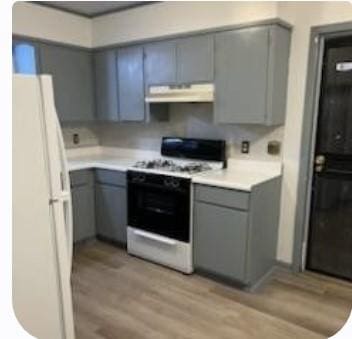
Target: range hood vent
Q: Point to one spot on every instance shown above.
(182, 93)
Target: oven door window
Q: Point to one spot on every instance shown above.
(158, 210)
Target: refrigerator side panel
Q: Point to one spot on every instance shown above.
(36, 285)
(60, 197)
(59, 178)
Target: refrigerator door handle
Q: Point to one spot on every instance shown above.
(66, 193)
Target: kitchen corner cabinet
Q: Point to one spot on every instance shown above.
(83, 204)
(111, 206)
(251, 67)
(235, 232)
(106, 86)
(72, 72)
(131, 83)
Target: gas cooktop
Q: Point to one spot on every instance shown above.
(172, 166)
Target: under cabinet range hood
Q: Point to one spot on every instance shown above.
(180, 93)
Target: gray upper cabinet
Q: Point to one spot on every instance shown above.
(195, 59)
(106, 90)
(72, 71)
(251, 67)
(160, 63)
(131, 83)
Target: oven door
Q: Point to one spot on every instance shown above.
(161, 210)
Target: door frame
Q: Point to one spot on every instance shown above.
(318, 36)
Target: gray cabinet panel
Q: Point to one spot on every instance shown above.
(222, 196)
(195, 59)
(220, 238)
(81, 177)
(116, 178)
(111, 212)
(83, 210)
(72, 71)
(131, 83)
(280, 39)
(160, 63)
(106, 92)
(241, 68)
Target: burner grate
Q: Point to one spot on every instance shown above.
(171, 166)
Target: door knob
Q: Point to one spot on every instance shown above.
(319, 163)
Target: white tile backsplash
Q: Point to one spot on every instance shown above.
(194, 121)
(186, 120)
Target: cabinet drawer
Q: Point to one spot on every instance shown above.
(222, 196)
(110, 177)
(81, 178)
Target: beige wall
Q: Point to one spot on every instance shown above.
(176, 17)
(42, 22)
(169, 18)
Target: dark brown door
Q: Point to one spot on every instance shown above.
(330, 233)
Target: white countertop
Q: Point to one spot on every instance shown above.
(233, 178)
(240, 174)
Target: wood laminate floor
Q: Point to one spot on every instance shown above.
(119, 296)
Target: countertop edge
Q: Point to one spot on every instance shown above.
(195, 180)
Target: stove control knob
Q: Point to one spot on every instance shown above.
(167, 182)
(141, 178)
(175, 183)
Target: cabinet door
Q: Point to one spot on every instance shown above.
(131, 83)
(72, 73)
(241, 69)
(83, 207)
(220, 238)
(106, 94)
(195, 59)
(160, 63)
(111, 212)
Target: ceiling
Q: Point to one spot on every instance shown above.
(93, 8)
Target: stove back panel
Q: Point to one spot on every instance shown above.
(200, 149)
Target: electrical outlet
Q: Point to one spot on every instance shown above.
(75, 138)
(274, 147)
(245, 145)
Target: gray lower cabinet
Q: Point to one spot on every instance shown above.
(111, 205)
(72, 72)
(131, 83)
(220, 240)
(195, 59)
(83, 204)
(235, 232)
(251, 67)
(106, 87)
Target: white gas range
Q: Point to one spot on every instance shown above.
(160, 196)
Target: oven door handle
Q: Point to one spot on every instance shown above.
(155, 237)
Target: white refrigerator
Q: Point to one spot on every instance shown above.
(42, 216)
